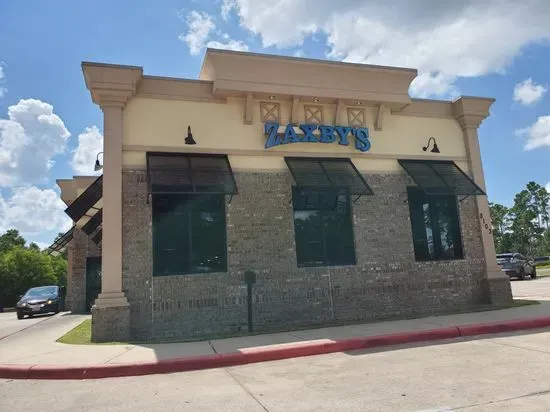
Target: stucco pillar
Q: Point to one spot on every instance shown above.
(111, 261)
(111, 87)
(111, 311)
(470, 112)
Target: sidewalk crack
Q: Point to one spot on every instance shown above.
(126, 350)
(246, 390)
(521, 347)
(212, 347)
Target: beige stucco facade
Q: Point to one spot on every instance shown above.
(227, 108)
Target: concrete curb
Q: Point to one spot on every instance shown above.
(264, 354)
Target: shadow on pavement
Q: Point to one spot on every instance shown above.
(360, 352)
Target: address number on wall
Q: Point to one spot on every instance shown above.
(485, 224)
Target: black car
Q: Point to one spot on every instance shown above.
(43, 299)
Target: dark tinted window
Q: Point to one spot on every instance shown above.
(323, 228)
(189, 234)
(435, 226)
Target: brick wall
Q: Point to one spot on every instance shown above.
(80, 247)
(260, 235)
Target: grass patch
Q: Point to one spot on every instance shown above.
(543, 266)
(82, 334)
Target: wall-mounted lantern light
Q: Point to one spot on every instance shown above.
(98, 166)
(435, 149)
(189, 139)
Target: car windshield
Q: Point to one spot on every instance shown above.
(505, 256)
(41, 291)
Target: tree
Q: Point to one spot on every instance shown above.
(500, 216)
(34, 246)
(524, 227)
(11, 239)
(540, 198)
(21, 269)
(24, 267)
(59, 267)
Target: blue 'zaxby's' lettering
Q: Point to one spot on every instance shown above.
(327, 134)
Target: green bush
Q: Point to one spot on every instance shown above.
(22, 268)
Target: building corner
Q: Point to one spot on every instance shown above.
(470, 113)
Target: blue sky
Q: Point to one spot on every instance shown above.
(50, 129)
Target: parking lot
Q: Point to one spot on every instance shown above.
(538, 289)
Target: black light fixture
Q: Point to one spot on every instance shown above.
(189, 139)
(98, 166)
(435, 149)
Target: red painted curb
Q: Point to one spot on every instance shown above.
(504, 326)
(264, 354)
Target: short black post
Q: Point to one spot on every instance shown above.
(249, 278)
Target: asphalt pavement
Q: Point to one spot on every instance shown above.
(537, 289)
(9, 324)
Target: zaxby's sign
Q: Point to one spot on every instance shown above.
(314, 133)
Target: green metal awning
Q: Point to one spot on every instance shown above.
(190, 173)
(327, 173)
(98, 236)
(93, 223)
(440, 177)
(61, 242)
(86, 206)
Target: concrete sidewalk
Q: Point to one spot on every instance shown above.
(40, 347)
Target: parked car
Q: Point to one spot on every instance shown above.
(43, 299)
(517, 265)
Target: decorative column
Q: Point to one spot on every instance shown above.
(111, 88)
(470, 112)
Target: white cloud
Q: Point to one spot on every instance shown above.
(227, 7)
(228, 45)
(537, 135)
(32, 210)
(527, 92)
(90, 143)
(3, 89)
(444, 40)
(202, 29)
(434, 83)
(42, 245)
(547, 187)
(29, 139)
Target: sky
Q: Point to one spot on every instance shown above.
(50, 129)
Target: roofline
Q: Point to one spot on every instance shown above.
(112, 65)
(210, 50)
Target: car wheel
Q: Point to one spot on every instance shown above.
(534, 274)
(20, 316)
(521, 274)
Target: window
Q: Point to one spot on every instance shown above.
(189, 234)
(435, 226)
(323, 227)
